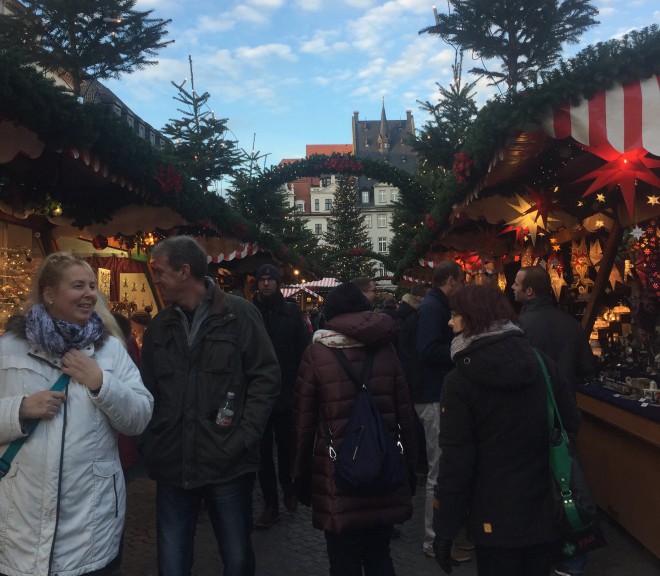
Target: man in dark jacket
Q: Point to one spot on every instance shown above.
(560, 336)
(434, 338)
(290, 337)
(203, 346)
(550, 329)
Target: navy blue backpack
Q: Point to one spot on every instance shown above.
(369, 461)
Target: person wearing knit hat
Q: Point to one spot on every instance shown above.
(344, 299)
(289, 334)
(358, 527)
(268, 270)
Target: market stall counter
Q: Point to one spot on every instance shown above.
(619, 445)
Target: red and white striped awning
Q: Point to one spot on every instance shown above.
(323, 283)
(628, 117)
(246, 250)
(291, 290)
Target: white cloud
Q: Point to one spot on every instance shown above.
(267, 4)
(310, 5)
(258, 54)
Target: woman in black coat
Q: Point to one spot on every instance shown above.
(494, 469)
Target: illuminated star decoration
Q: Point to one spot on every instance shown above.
(636, 232)
(533, 216)
(600, 197)
(653, 200)
(621, 169)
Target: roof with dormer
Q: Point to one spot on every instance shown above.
(386, 140)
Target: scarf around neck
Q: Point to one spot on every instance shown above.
(461, 342)
(334, 339)
(59, 336)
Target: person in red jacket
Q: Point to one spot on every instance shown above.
(357, 528)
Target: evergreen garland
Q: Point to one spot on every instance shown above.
(635, 56)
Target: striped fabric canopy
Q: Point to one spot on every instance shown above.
(628, 117)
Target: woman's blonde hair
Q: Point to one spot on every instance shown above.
(50, 272)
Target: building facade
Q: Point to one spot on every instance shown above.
(383, 140)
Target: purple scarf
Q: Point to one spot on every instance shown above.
(59, 336)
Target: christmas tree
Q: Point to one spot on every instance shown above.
(84, 40)
(201, 148)
(349, 251)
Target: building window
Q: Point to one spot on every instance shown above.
(382, 220)
(381, 196)
(131, 122)
(381, 269)
(382, 244)
(317, 205)
(141, 130)
(328, 204)
(325, 181)
(318, 229)
(365, 196)
(394, 196)
(367, 220)
(116, 108)
(300, 206)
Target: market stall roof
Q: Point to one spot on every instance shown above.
(625, 116)
(323, 283)
(294, 289)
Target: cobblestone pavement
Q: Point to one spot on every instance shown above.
(293, 548)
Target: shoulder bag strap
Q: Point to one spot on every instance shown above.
(15, 446)
(560, 459)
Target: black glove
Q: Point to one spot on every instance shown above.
(442, 549)
(302, 488)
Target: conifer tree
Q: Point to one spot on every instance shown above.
(84, 40)
(348, 247)
(443, 135)
(526, 36)
(201, 147)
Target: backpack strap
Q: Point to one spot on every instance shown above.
(367, 366)
(359, 382)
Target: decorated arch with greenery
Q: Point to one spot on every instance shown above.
(263, 193)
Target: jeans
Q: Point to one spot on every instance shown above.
(230, 512)
(429, 416)
(369, 547)
(278, 429)
(535, 560)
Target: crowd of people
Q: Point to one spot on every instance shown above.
(230, 392)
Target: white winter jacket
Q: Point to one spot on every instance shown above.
(62, 503)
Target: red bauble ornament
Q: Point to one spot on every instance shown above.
(100, 242)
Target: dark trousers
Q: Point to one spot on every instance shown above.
(349, 551)
(535, 560)
(278, 430)
(230, 512)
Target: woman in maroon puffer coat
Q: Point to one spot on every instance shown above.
(357, 528)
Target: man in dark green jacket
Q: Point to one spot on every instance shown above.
(203, 346)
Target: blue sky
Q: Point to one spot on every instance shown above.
(286, 73)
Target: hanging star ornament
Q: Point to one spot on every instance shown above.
(621, 169)
(534, 216)
(653, 200)
(636, 232)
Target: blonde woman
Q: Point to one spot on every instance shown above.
(62, 499)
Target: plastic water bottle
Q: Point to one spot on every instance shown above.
(226, 414)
